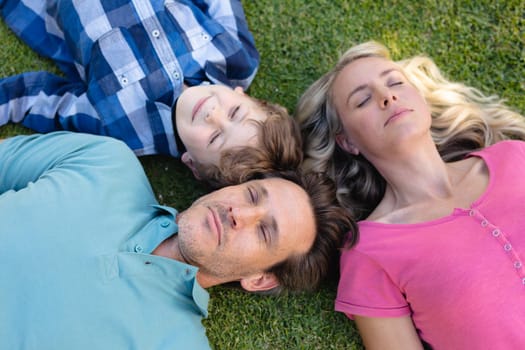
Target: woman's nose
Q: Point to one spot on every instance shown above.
(387, 98)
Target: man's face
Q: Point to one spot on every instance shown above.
(240, 231)
(214, 118)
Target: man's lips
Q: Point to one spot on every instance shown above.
(198, 106)
(398, 113)
(215, 224)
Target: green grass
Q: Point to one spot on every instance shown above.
(481, 43)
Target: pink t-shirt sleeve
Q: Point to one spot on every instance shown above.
(365, 289)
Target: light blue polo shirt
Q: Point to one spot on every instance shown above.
(78, 219)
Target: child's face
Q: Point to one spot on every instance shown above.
(213, 118)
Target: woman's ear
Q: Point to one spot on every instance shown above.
(259, 282)
(343, 142)
(188, 160)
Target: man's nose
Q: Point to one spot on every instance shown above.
(243, 217)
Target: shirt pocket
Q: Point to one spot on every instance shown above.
(197, 29)
(114, 65)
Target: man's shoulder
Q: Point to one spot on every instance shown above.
(94, 154)
(81, 143)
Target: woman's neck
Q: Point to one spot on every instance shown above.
(421, 186)
(415, 173)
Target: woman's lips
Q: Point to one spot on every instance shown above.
(398, 113)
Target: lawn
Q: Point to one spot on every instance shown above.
(481, 43)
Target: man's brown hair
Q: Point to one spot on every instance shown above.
(279, 154)
(335, 228)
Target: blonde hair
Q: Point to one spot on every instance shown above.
(463, 119)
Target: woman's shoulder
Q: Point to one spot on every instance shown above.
(503, 146)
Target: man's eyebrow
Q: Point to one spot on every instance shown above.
(363, 86)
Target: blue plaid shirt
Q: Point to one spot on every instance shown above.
(125, 63)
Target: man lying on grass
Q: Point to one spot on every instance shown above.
(90, 260)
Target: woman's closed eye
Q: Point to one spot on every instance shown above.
(363, 101)
(395, 83)
(395, 78)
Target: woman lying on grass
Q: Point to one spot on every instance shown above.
(422, 162)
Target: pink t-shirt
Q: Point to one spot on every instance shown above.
(460, 277)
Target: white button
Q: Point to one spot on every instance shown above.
(496, 233)
(484, 223)
(123, 80)
(507, 247)
(471, 213)
(138, 248)
(517, 264)
(155, 33)
(176, 75)
(205, 36)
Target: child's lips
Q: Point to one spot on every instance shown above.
(198, 107)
